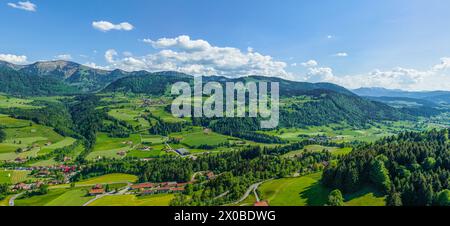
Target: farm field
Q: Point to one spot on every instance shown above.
(107, 147)
(159, 112)
(153, 139)
(73, 197)
(11, 102)
(307, 191)
(132, 200)
(64, 143)
(132, 117)
(13, 177)
(57, 197)
(108, 179)
(32, 137)
(301, 191)
(198, 137)
(318, 148)
(40, 200)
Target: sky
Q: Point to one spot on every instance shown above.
(398, 44)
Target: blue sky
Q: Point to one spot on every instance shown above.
(390, 43)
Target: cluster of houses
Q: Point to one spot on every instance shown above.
(27, 187)
(158, 188)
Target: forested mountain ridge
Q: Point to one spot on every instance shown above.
(81, 77)
(18, 83)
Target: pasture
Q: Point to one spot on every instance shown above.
(132, 200)
(11, 102)
(198, 137)
(13, 177)
(301, 191)
(307, 191)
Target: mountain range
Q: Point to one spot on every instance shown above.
(438, 97)
(328, 103)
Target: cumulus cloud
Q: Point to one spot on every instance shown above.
(199, 57)
(27, 6)
(436, 77)
(110, 54)
(15, 59)
(64, 57)
(310, 63)
(107, 26)
(341, 54)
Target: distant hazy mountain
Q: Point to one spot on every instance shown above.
(432, 96)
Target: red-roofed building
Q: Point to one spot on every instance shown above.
(262, 203)
(97, 191)
(142, 186)
(177, 189)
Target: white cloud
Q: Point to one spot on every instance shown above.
(15, 59)
(199, 57)
(64, 57)
(436, 77)
(341, 54)
(107, 26)
(28, 6)
(310, 63)
(330, 36)
(110, 54)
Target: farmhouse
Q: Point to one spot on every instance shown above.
(143, 186)
(182, 151)
(96, 192)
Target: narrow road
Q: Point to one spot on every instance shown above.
(11, 201)
(251, 189)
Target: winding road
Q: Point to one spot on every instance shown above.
(121, 192)
(11, 201)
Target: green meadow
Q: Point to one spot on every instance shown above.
(132, 200)
(307, 191)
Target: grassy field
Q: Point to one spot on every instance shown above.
(57, 197)
(40, 200)
(159, 112)
(318, 148)
(23, 134)
(198, 137)
(307, 191)
(74, 197)
(5, 201)
(63, 143)
(153, 139)
(301, 191)
(11, 102)
(105, 143)
(107, 147)
(108, 179)
(132, 117)
(365, 197)
(13, 177)
(132, 200)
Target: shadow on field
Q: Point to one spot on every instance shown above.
(315, 195)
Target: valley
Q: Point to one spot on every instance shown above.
(116, 143)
